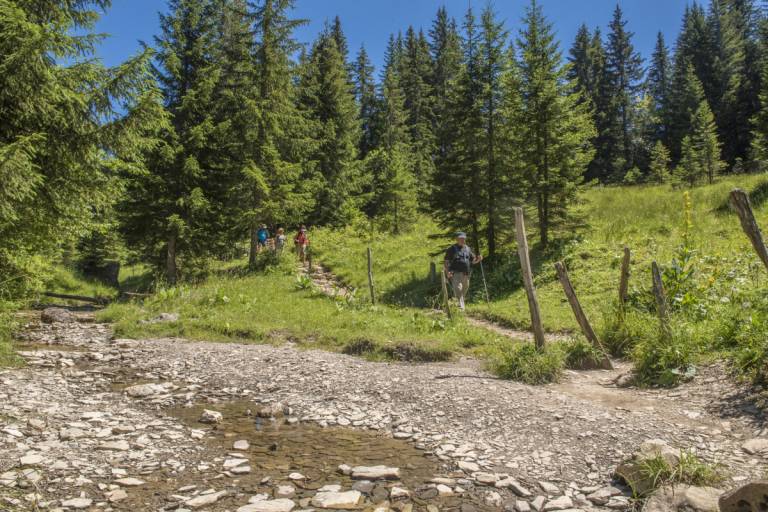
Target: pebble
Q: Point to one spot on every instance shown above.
(337, 500)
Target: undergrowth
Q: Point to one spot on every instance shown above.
(690, 470)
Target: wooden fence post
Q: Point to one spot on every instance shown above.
(740, 203)
(370, 277)
(525, 263)
(578, 312)
(624, 282)
(309, 262)
(432, 272)
(661, 299)
(446, 302)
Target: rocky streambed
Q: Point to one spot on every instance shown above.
(96, 423)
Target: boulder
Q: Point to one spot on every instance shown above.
(631, 471)
(337, 500)
(751, 497)
(209, 416)
(57, 316)
(683, 498)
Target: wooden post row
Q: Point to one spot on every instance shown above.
(525, 263)
(370, 277)
(578, 312)
(740, 203)
(624, 283)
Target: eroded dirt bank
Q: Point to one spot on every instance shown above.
(77, 432)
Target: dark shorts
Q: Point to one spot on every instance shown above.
(262, 243)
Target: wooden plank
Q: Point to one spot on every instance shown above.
(370, 276)
(578, 312)
(624, 282)
(525, 263)
(446, 302)
(81, 298)
(661, 298)
(740, 203)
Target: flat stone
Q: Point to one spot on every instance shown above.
(399, 492)
(119, 446)
(240, 470)
(116, 495)
(603, 495)
(13, 432)
(144, 390)
(285, 491)
(241, 445)
(561, 503)
(338, 500)
(57, 316)
(31, 460)
(77, 503)
(209, 416)
(522, 506)
(443, 490)
(538, 503)
(129, 482)
(232, 463)
(375, 473)
(684, 498)
(332, 488)
(468, 467)
(549, 488)
(278, 505)
(204, 499)
(756, 446)
(297, 476)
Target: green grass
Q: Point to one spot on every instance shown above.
(7, 355)
(274, 305)
(689, 470)
(67, 281)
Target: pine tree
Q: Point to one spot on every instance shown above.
(685, 96)
(624, 71)
(555, 126)
(445, 49)
(688, 170)
(328, 103)
(658, 85)
(169, 207)
(365, 93)
(759, 124)
(581, 72)
(660, 160)
(705, 142)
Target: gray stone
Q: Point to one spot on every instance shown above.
(603, 495)
(522, 506)
(77, 503)
(756, 446)
(209, 416)
(57, 316)
(204, 499)
(278, 505)
(751, 497)
(468, 467)
(116, 495)
(129, 482)
(538, 503)
(337, 500)
(241, 445)
(375, 473)
(119, 446)
(561, 503)
(684, 498)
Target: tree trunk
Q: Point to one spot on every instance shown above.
(171, 271)
(254, 246)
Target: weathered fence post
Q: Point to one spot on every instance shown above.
(525, 263)
(578, 312)
(432, 272)
(661, 298)
(446, 302)
(624, 282)
(370, 277)
(740, 203)
(309, 261)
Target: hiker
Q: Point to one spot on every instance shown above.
(262, 236)
(280, 240)
(459, 259)
(302, 243)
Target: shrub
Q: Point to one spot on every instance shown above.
(582, 355)
(689, 470)
(621, 329)
(523, 362)
(664, 358)
(7, 355)
(744, 335)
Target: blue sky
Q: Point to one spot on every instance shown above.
(370, 22)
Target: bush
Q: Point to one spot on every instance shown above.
(582, 355)
(621, 329)
(664, 359)
(7, 355)
(689, 470)
(744, 336)
(523, 362)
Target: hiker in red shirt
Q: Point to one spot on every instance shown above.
(302, 243)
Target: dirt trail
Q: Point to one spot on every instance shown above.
(67, 429)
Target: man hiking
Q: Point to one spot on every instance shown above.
(302, 243)
(263, 236)
(459, 259)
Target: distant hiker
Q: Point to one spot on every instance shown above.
(459, 259)
(280, 240)
(262, 236)
(302, 242)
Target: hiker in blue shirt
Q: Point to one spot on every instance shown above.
(262, 235)
(459, 259)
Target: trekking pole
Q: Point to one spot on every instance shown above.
(485, 284)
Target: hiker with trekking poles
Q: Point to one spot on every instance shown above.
(457, 266)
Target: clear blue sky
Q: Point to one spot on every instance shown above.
(370, 22)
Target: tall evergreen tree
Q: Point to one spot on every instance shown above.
(685, 96)
(555, 126)
(365, 93)
(581, 72)
(705, 142)
(326, 98)
(658, 85)
(624, 71)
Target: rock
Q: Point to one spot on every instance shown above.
(144, 390)
(468, 467)
(399, 492)
(116, 495)
(129, 482)
(279, 505)
(297, 476)
(345, 469)
(751, 497)
(522, 506)
(486, 478)
(209, 416)
(240, 470)
(12, 432)
(756, 446)
(538, 503)
(364, 486)
(77, 503)
(631, 471)
(275, 410)
(515, 486)
(684, 498)
(233, 463)
(32, 459)
(164, 318)
(204, 500)
(603, 495)
(561, 503)
(57, 316)
(338, 500)
(330, 488)
(625, 380)
(494, 499)
(549, 488)
(443, 490)
(241, 445)
(375, 473)
(119, 446)
(285, 491)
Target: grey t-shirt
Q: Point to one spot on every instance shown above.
(459, 258)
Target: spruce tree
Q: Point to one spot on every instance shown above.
(328, 103)
(580, 58)
(600, 166)
(658, 85)
(365, 93)
(685, 95)
(705, 142)
(624, 71)
(555, 126)
(660, 160)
